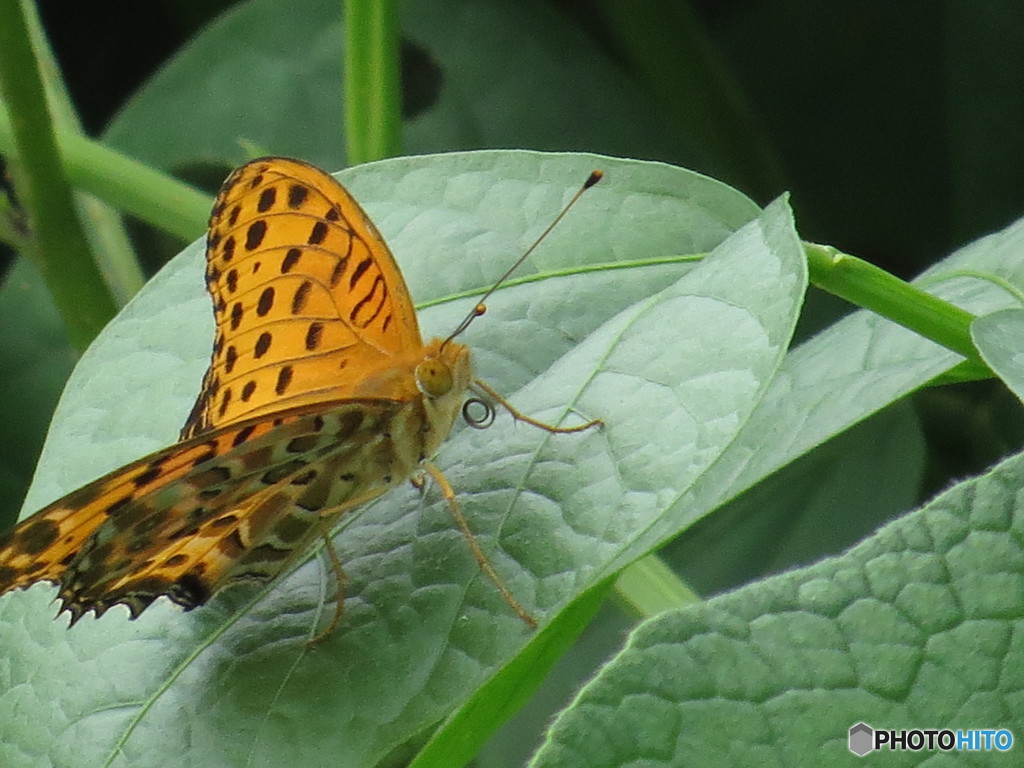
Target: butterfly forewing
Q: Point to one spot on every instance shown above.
(306, 295)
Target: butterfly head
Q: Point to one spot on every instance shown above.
(443, 376)
(444, 369)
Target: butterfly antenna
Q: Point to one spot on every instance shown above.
(480, 307)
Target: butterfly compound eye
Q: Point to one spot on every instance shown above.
(434, 378)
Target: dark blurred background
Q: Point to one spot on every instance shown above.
(895, 124)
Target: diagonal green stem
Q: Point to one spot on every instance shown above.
(873, 288)
(58, 244)
(373, 109)
(649, 587)
(153, 196)
(111, 247)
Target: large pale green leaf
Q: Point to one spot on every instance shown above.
(268, 75)
(672, 355)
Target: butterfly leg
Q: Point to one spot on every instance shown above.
(519, 416)
(485, 565)
(339, 598)
(418, 480)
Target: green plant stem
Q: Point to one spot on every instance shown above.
(373, 108)
(868, 286)
(156, 198)
(649, 587)
(58, 244)
(111, 247)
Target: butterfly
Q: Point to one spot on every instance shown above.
(320, 396)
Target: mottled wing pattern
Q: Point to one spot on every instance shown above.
(44, 546)
(307, 297)
(236, 504)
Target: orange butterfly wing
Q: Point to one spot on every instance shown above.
(311, 371)
(307, 297)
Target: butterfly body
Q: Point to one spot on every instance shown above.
(320, 396)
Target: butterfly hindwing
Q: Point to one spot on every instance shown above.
(242, 513)
(41, 547)
(282, 487)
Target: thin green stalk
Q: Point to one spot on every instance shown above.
(373, 98)
(873, 288)
(156, 198)
(153, 196)
(649, 586)
(111, 246)
(58, 244)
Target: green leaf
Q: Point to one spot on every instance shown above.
(918, 627)
(997, 336)
(601, 323)
(855, 368)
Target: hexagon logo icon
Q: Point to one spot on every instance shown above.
(861, 739)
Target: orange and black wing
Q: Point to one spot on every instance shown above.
(308, 299)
